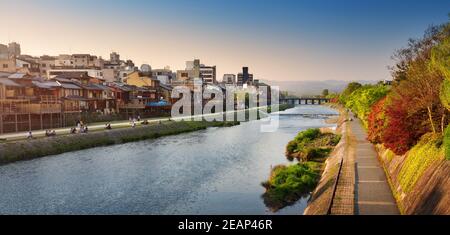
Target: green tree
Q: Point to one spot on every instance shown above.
(325, 92)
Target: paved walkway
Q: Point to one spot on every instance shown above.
(372, 192)
(119, 124)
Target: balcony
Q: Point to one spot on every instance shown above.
(131, 106)
(8, 107)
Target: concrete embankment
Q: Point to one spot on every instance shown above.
(418, 191)
(34, 148)
(322, 197)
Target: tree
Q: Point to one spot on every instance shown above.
(418, 74)
(351, 87)
(325, 92)
(422, 87)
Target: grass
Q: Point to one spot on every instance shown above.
(287, 184)
(418, 159)
(311, 144)
(447, 142)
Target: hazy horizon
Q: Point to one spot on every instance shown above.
(279, 40)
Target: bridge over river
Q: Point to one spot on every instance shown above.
(304, 100)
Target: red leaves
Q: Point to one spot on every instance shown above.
(401, 129)
(376, 122)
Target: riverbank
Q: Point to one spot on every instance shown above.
(100, 126)
(35, 148)
(321, 198)
(122, 132)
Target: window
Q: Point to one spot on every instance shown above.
(5, 66)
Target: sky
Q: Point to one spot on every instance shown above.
(284, 40)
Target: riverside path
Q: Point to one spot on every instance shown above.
(372, 192)
(362, 186)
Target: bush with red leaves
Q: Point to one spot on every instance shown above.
(376, 122)
(402, 129)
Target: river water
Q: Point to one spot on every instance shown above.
(213, 171)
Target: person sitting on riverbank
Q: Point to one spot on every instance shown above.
(145, 122)
(73, 130)
(84, 129)
(108, 126)
(133, 124)
(30, 135)
(50, 133)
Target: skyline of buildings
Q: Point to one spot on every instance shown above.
(288, 41)
(110, 70)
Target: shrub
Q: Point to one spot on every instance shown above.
(311, 144)
(307, 135)
(289, 183)
(402, 130)
(376, 122)
(316, 153)
(362, 99)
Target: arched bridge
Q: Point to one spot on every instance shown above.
(304, 100)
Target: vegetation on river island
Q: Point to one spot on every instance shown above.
(311, 144)
(287, 184)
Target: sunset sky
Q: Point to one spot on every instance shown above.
(278, 40)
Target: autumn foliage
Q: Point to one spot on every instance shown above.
(416, 103)
(376, 122)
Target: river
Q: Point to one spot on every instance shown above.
(213, 171)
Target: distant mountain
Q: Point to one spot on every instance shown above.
(312, 87)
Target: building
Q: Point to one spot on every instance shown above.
(114, 58)
(63, 61)
(244, 77)
(46, 62)
(92, 72)
(194, 69)
(4, 52)
(164, 76)
(184, 75)
(28, 65)
(229, 79)
(141, 80)
(8, 65)
(26, 103)
(14, 49)
(208, 74)
(79, 61)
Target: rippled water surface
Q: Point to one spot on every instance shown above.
(214, 171)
